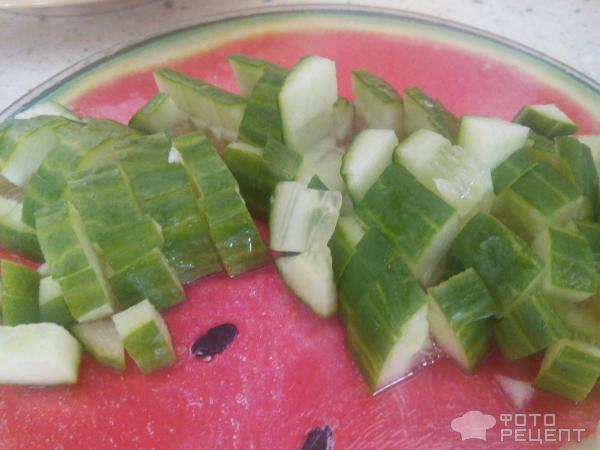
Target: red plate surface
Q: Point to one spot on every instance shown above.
(288, 370)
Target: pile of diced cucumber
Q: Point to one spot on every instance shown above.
(421, 229)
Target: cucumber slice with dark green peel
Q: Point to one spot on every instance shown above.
(511, 170)
(280, 163)
(509, 269)
(16, 236)
(47, 108)
(386, 328)
(570, 369)
(73, 262)
(247, 71)
(234, 233)
(539, 198)
(20, 291)
(590, 231)
(546, 120)
(577, 165)
(53, 307)
(101, 340)
(316, 183)
(145, 337)
(420, 226)
(541, 149)
(367, 157)
(490, 140)
(306, 102)
(262, 119)
(205, 102)
(530, 327)
(160, 114)
(593, 143)
(302, 218)
(41, 354)
(571, 274)
(310, 277)
(24, 145)
(343, 120)
(460, 317)
(451, 173)
(348, 233)
(377, 104)
(581, 319)
(422, 111)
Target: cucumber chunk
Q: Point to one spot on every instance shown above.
(570, 369)
(510, 170)
(593, 143)
(310, 276)
(16, 236)
(280, 163)
(41, 354)
(302, 218)
(377, 104)
(101, 340)
(53, 307)
(577, 165)
(20, 291)
(571, 274)
(447, 170)
(420, 225)
(47, 108)
(531, 326)
(519, 392)
(460, 317)
(316, 183)
(325, 161)
(424, 112)
(366, 158)
(343, 121)
(348, 233)
(590, 231)
(247, 71)
(546, 120)
(541, 149)
(509, 269)
(539, 198)
(160, 114)
(490, 140)
(581, 319)
(145, 337)
(306, 102)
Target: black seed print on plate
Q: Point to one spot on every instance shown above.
(214, 341)
(319, 439)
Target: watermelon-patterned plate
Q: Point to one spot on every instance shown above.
(289, 371)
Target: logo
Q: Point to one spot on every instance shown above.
(473, 425)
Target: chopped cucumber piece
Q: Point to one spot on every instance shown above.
(310, 276)
(571, 274)
(593, 143)
(41, 354)
(519, 392)
(581, 319)
(53, 307)
(420, 224)
(203, 101)
(510, 170)
(570, 369)
(262, 120)
(460, 317)
(247, 71)
(325, 161)
(348, 233)
(16, 236)
(422, 111)
(531, 326)
(316, 183)
(539, 198)
(306, 102)
(377, 104)
(280, 163)
(20, 290)
(145, 337)
(490, 140)
(101, 340)
(590, 231)
(509, 269)
(47, 108)
(302, 218)
(541, 149)
(160, 114)
(447, 170)
(343, 120)
(367, 157)
(546, 120)
(577, 165)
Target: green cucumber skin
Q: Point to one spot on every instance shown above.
(542, 124)
(569, 369)
(577, 165)
(438, 118)
(262, 120)
(348, 233)
(591, 233)
(280, 163)
(159, 115)
(316, 183)
(148, 350)
(85, 293)
(509, 269)
(530, 327)
(581, 319)
(20, 291)
(56, 311)
(95, 337)
(511, 170)
(416, 219)
(149, 277)
(542, 149)
(19, 238)
(248, 71)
